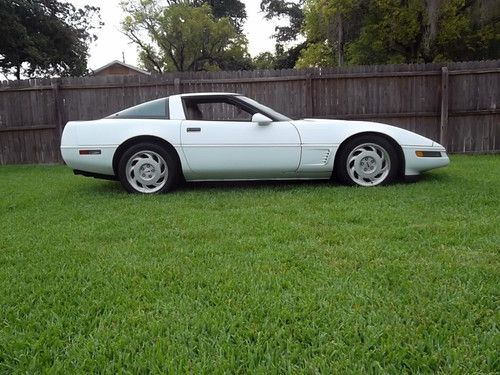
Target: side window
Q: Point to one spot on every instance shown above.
(156, 109)
(215, 110)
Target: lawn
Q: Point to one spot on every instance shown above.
(307, 277)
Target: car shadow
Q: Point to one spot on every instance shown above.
(114, 187)
(97, 186)
(428, 177)
(247, 185)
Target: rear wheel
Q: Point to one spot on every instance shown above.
(148, 168)
(368, 160)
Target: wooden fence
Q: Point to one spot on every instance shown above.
(457, 104)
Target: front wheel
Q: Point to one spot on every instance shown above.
(147, 168)
(368, 160)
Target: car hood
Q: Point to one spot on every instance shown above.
(321, 131)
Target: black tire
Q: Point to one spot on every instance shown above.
(145, 152)
(366, 144)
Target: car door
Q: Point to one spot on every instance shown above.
(220, 141)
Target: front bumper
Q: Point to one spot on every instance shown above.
(418, 164)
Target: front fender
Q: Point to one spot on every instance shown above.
(334, 132)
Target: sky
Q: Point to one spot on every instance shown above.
(112, 43)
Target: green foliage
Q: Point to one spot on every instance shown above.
(390, 34)
(181, 37)
(467, 31)
(250, 278)
(316, 55)
(287, 58)
(232, 9)
(45, 37)
(265, 60)
(292, 10)
(401, 31)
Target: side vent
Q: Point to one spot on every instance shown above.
(317, 157)
(326, 155)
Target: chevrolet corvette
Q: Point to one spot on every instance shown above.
(150, 147)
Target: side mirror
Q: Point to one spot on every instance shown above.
(261, 119)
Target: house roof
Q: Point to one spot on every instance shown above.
(122, 64)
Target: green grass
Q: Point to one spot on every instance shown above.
(251, 277)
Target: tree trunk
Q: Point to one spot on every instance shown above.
(340, 40)
(18, 72)
(430, 25)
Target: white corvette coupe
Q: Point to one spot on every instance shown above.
(221, 136)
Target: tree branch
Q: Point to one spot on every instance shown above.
(135, 39)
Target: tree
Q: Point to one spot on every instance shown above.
(466, 30)
(427, 31)
(287, 58)
(399, 31)
(292, 10)
(45, 37)
(232, 9)
(181, 37)
(264, 60)
(391, 33)
(330, 26)
(316, 55)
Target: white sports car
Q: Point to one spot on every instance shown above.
(221, 136)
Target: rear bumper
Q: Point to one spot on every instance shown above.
(101, 164)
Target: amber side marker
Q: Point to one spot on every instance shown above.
(428, 154)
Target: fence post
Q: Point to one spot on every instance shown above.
(443, 129)
(309, 96)
(58, 106)
(177, 86)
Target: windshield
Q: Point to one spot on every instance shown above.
(264, 110)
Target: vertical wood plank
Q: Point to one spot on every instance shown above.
(58, 106)
(309, 96)
(443, 130)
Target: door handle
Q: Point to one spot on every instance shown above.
(193, 130)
